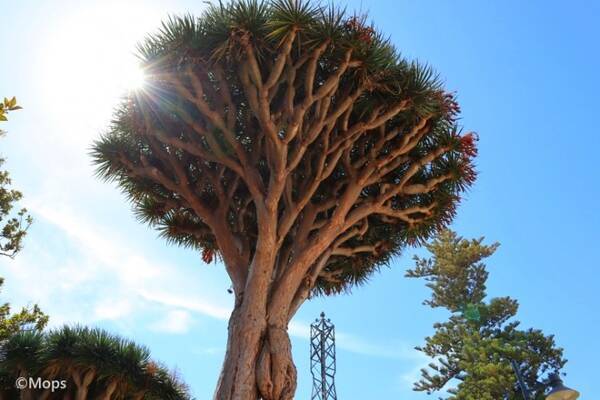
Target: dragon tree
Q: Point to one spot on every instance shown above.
(91, 363)
(289, 140)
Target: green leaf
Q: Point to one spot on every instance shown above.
(471, 313)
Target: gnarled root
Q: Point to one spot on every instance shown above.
(276, 375)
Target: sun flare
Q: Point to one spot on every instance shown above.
(86, 68)
(135, 78)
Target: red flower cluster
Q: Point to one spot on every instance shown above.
(447, 214)
(363, 33)
(467, 144)
(467, 172)
(208, 255)
(450, 107)
(468, 149)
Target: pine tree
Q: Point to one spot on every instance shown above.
(473, 349)
(290, 140)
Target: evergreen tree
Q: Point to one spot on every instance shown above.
(474, 348)
(291, 141)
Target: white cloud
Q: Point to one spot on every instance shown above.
(113, 309)
(211, 351)
(299, 329)
(190, 303)
(355, 344)
(175, 321)
(102, 276)
(408, 378)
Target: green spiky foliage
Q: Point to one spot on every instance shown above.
(21, 352)
(473, 349)
(93, 362)
(290, 140)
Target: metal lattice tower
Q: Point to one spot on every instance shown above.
(322, 359)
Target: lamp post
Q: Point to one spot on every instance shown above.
(558, 390)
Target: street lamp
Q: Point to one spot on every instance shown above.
(559, 390)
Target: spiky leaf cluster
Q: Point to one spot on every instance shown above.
(88, 359)
(295, 104)
(473, 349)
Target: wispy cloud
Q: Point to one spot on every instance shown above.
(408, 378)
(112, 309)
(175, 321)
(189, 303)
(120, 280)
(358, 345)
(102, 274)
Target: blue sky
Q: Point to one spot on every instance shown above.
(526, 74)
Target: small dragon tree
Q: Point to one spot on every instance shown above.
(293, 142)
(92, 363)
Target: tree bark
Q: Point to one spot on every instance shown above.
(258, 361)
(83, 383)
(276, 372)
(45, 394)
(108, 391)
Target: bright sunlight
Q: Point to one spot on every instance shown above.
(88, 62)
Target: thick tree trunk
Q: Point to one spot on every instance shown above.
(258, 362)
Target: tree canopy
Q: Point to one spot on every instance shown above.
(293, 106)
(474, 348)
(92, 362)
(292, 141)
